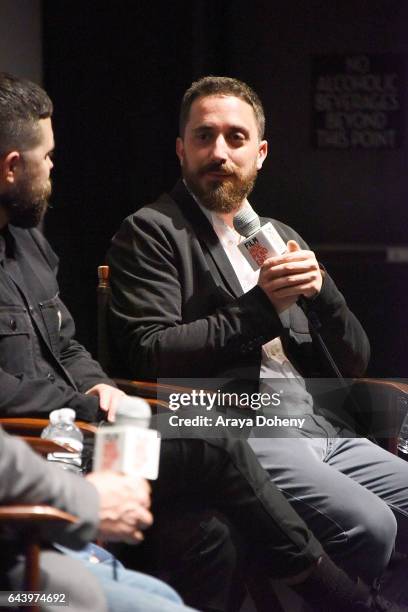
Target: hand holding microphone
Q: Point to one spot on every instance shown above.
(288, 277)
(287, 272)
(124, 503)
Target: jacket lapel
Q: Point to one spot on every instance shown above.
(217, 260)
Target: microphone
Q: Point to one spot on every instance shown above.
(260, 242)
(263, 242)
(128, 445)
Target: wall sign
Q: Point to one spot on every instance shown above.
(357, 101)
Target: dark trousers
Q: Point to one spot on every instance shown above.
(224, 474)
(200, 554)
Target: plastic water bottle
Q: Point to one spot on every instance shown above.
(62, 430)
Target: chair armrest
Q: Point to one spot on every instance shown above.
(392, 386)
(33, 514)
(147, 390)
(382, 405)
(43, 447)
(34, 426)
(25, 523)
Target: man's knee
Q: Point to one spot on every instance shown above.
(60, 574)
(380, 530)
(371, 540)
(199, 538)
(197, 552)
(221, 542)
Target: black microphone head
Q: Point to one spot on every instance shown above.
(246, 221)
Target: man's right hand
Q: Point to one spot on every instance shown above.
(286, 277)
(123, 506)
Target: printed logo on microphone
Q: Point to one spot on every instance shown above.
(257, 251)
(129, 449)
(110, 453)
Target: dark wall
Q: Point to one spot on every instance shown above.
(21, 38)
(116, 73)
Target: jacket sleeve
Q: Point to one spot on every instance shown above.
(148, 324)
(85, 371)
(23, 396)
(26, 478)
(340, 330)
(338, 327)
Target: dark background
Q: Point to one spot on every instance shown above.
(116, 73)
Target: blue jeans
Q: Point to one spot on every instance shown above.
(351, 493)
(126, 590)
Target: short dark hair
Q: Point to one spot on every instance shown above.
(22, 105)
(221, 86)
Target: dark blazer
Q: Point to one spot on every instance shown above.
(178, 309)
(36, 328)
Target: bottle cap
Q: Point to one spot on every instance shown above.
(62, 415)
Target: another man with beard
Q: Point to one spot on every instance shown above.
(42, 367)
(185, 303)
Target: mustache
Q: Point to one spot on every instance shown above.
(218, 167)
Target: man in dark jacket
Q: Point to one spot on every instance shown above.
(186, 303)
(42, 367)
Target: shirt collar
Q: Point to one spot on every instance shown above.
(212, 217)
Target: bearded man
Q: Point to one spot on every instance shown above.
(186, 303)
(42, 367)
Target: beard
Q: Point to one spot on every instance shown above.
(223, 196)
(26, 203)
